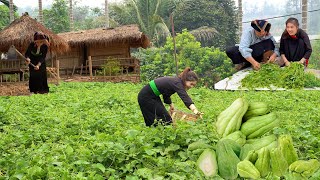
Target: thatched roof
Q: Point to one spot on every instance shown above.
(129, 34)
(20, 34)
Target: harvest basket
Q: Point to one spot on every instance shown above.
(177, 115)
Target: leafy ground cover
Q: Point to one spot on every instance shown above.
(96, 131)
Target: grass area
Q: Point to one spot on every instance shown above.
(96, 131)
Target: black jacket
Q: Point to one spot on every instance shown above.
(35, 58)
(295, 48)
(170, 85)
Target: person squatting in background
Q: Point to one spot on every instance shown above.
(294, 45)
(256, 45)
(151, 105)
(36, 55)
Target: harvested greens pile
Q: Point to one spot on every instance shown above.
(292, 77)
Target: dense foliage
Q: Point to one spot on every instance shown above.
(270, 75)
(153, 17)
(209, 63)
(57, 17)
(218, 14)
(314, 61)
(4, 16)
(96, 131)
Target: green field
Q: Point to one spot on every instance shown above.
(96, 131)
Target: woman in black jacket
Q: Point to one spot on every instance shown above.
(149, 97)
(294, 44)
(36, 55)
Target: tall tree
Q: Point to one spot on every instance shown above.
(4, 16)
(71, 15)
(219, 16)
(11, 10)
(151, 15)
(40, 11)
(106, 11)
(7, 3)
(240, 13)
(304, 10)
(57, 18)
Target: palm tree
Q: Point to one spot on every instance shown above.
(240, 16)
(11, 10)
(106, 9)
(40, 11)
(7, 3)
(150, 15)
(304, 15)
(71, 15)
(153, 17)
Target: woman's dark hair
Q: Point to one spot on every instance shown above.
(188, 75)
(293, 21)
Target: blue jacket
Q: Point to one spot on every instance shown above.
(249, 38)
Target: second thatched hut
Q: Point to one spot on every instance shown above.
(95, 48)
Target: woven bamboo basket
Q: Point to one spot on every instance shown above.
(177, 115)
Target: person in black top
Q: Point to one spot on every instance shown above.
(149, 97)
(36, 54)
(294, 44)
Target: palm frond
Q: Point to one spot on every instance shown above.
(141, 23)
(205, 33)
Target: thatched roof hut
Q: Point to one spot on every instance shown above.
(20, 34)
(129, 34)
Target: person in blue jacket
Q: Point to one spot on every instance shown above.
(151, 105)
(257, 45)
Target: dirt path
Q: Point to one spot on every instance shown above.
(21, 88)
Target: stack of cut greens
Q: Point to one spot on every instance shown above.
(292, 77)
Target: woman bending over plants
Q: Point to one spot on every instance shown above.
(150, 103)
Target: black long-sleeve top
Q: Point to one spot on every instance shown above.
(35, 58)
(290, 46)
(170, 85)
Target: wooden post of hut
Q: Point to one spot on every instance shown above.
(58, 69)
(90, 66)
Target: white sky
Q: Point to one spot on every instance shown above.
(34, 3)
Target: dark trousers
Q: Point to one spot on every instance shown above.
(152, 108)
(258, 50)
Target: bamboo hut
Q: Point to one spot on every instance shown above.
(20, 33)
(94, 48)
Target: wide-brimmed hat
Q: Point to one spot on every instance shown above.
(259, 25)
